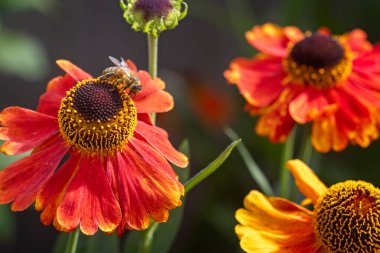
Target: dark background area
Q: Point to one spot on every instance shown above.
(192, 58)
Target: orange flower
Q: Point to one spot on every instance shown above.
(345, 219)
(97, 160)
(331, 81)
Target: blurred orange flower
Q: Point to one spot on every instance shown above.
(297, 78)
(345, 218)
(116, 175)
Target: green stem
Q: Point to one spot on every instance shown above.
(72, 243)
(147, 239)
(306, 150)
(153, 52)
(287, 154)
(153, 55)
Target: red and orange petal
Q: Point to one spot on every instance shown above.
(345, 114)
(123, 191)
(275, 225)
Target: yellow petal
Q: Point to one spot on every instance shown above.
(306, 180)
(273, 224)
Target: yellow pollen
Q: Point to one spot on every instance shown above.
(347, 218)
(319, 77)
(99, 122)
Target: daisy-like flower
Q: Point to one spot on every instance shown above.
(345, 219)
(97, 160)
(331, 81)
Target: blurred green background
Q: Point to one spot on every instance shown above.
(192, 58)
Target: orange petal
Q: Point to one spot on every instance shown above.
(357, 41)
(306, 180)
(152, 98)
(259, 80)
(308, 105)
(271, 39)
(269, 225)
(22, 180)
(143, 190)
(25, 129)
(89, 200)
(56, 90)
(51, 195)
(158, 138)
(74, 71)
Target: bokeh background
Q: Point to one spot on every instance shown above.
(192, 58)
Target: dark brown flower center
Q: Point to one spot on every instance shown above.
(97, 102)
(153, 8)
(317, 50)
(348, 218)
(97, 116)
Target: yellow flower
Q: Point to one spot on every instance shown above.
(345, 219)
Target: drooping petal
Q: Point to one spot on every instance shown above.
(259, 80)
(275, 225)
(56, 90)
(25, 129)
(51, 195)
(308, 105)
(275, 122)
(152, 98)
(89, 200)
(74, 71)
(21, 181)
(306, 180)
(143, 191)
(273, 40)
(158, 138)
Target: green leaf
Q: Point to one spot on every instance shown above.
(252, 166)
(211, 168)
(164, 233)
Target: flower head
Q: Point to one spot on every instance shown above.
(299, 78)
(97, 160)
(345, 218)
(153, 16)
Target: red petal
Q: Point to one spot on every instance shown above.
(308, 105)
(158, 138)
(74, 71)
(56, 90)
(23, 179)
(143, 191)
(51, 195)
(89, 200)
(152, 98)
(259, 80)
(151, 156)
(273, 40)
(25, 129)
(357, 40)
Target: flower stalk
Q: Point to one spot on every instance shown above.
(72, 243)
(287, 154)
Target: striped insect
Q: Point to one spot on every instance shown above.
(124, 75)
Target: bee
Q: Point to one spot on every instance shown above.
(124, 75)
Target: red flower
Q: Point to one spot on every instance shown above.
(116, 174)
(331, 81)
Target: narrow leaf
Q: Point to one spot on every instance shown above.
(211, 168)
(252, 166)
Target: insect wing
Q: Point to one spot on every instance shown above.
(115, 61)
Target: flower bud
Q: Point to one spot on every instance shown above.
(153, 16)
